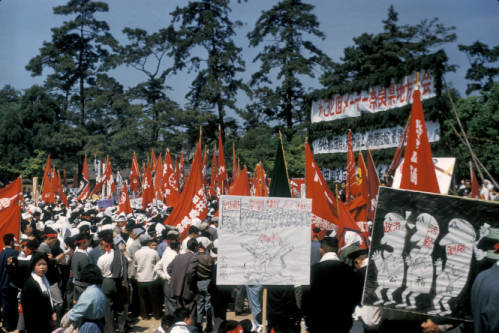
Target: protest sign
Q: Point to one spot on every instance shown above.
(426, 251)
(105, 203)
(380, 138)
(444, 167)
(264, 240)
(376, 99)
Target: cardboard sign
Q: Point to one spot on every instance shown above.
(426, 251)
(264, 240)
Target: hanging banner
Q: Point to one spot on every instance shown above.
(264, 240)
(426, 251)
(374, 100)
(339, 175)
(376, 139)
(444, 167)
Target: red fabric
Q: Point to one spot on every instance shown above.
(60, 191)
(296, 185)
(47, 188)
(324, 208)
(170, 184)
(147, 188)
(418, 171)
(351, 177)
(475, 191)
(213, 171)
(158, 179)
(85, 190)
(241, 185)
(347, 223)
(235, 171)
(222, 169)
(10, 210)
(259, 182)
(133, 178)
(360, 213)
(124, 202)
(372, 178)
(192, 202)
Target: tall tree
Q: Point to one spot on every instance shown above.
(482, 72)
(148, 53)
(283, 31)
(79, 49)
(206, 24)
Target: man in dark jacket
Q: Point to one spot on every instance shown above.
(334, 291)
(8, 293)
(182, 281)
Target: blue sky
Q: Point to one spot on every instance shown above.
(25, 24)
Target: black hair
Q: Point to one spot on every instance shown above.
(227, 325)
(329, 244)
(8, 238)
(192, 244)
(32, 244)
(193, 230)
(174, 244)
(246, 325)
(180, 314)
(167, 321)
(36, 258)
(91, 274)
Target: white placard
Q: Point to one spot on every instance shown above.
(374, 139)
(444, 167)
(376, 99)
(264, 240)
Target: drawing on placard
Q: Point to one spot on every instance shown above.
(390, 265)
(419, 261)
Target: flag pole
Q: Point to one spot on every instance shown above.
(264, 311)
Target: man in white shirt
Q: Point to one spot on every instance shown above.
(162, 270)
(193, 233)
(145, 261)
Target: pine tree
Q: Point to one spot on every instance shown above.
(481, 73)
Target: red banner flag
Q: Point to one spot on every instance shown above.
(147, 187)
(84, 189)
(134, 176)
(213, 172)
(158, 179)
(235, 171)
(259, 182)
(324, 211)
(347, 223)
(10, 210)
(418, 171)
(373, 179)
(109, 180)
(222, 169)
(475, 189)
(170, 184)
(192, 202)
(60, 191)
(351, 175)
(124, 202)
(241, 184)
(47, 188)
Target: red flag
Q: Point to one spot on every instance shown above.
(222, 170)
(147, 187)
(60, 190)
(205, 165)
(133, 178)
(475, 189)
(181, 169)
(235, 171)
(351, 176)
(170, 182)
(324, 211)
(84, 189)
(10, 210)
(241, 185)
(153, 160)
(363, 186)
(418, 171)
(109, 186)
(124, 202)
(373, 179)
(192, 202)
(260, 183)
(347, 223)
(158, 179)
(213, 172)
(47, 190)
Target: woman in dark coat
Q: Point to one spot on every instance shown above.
(39, 315)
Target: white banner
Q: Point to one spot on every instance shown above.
(264, 241)
(374, 100)
(444, 167)
(375, 139)
(339, 175)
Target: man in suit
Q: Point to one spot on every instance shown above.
(333, 293)
(182, 277)
(8, 294)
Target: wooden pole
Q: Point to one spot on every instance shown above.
(35, 191)
(264, 311)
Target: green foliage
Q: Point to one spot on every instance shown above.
(480, 120)
(481, 73)
(377, 59)
(282, 30)
(206, 24)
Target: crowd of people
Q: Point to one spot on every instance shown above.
(94, 270)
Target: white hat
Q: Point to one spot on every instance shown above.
(204, 241)
(196, 222)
